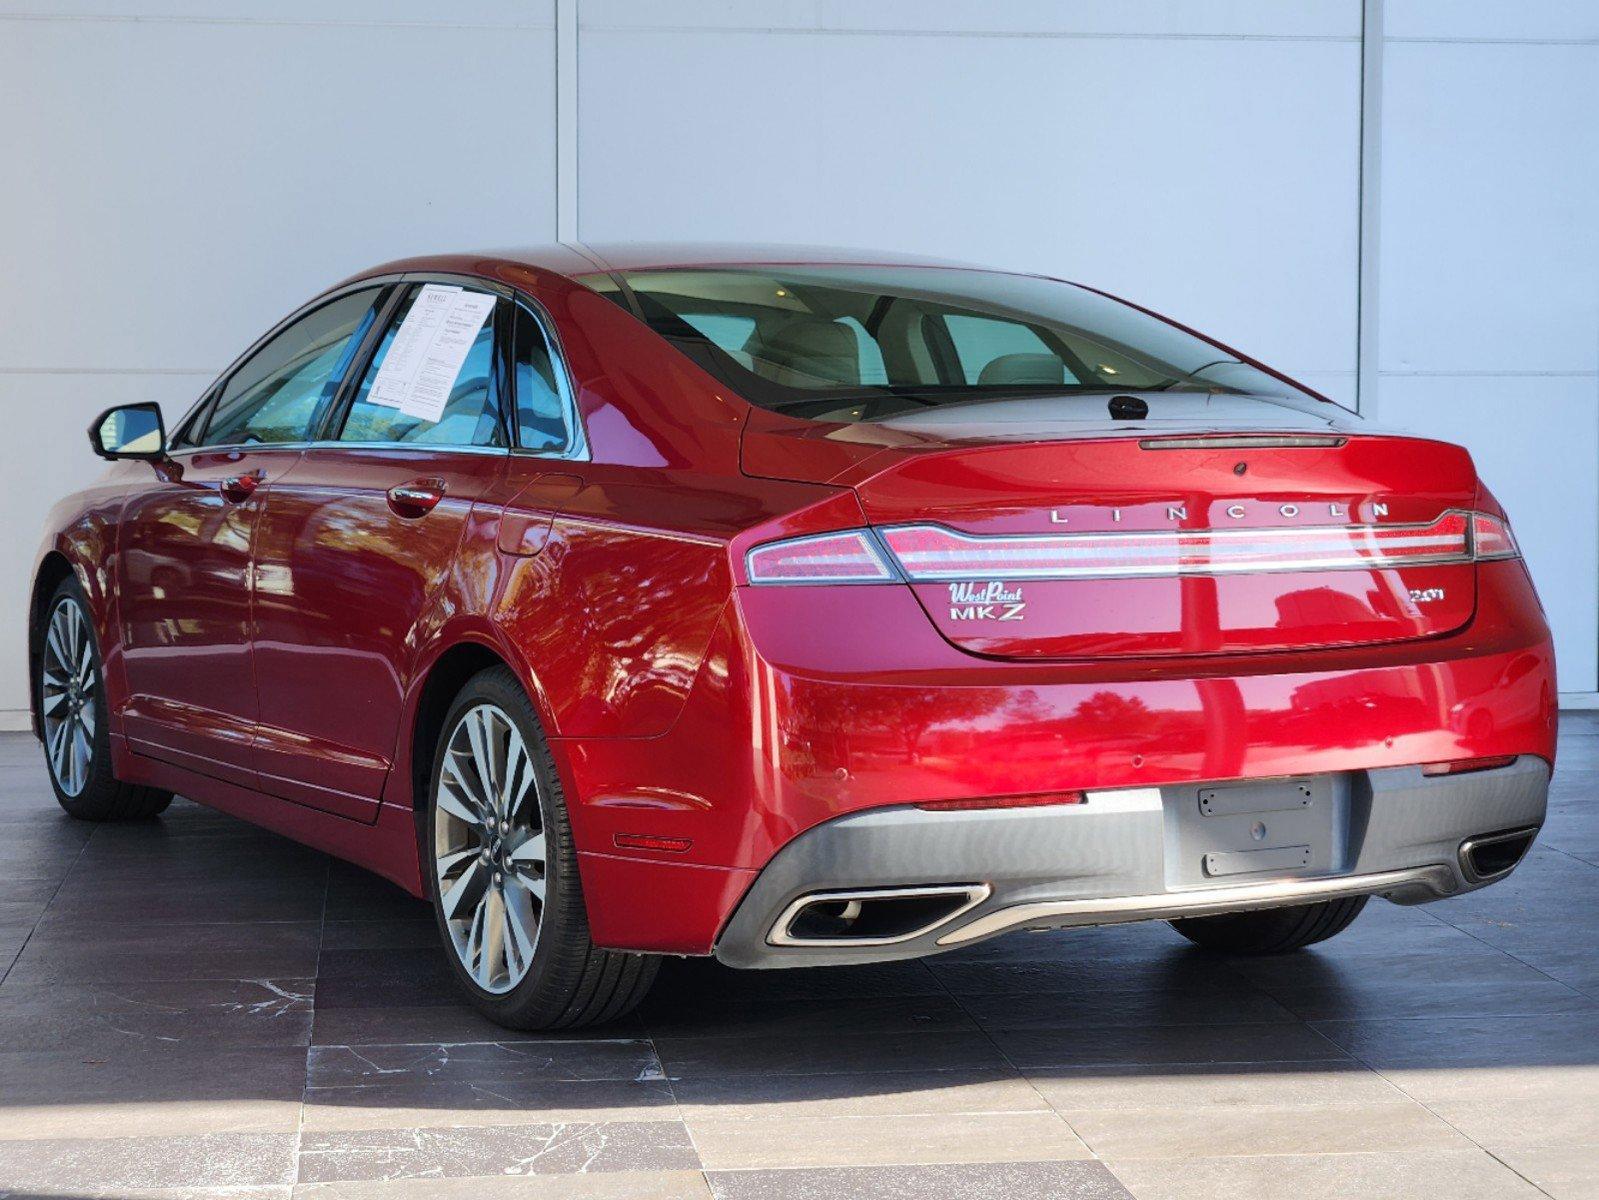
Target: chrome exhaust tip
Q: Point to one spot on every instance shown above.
(1491, 856)
(873, 916)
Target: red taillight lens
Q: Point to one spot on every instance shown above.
(1463, 766)
(1491, 537)
(849, 557)
(1037, 800)
(931, 552)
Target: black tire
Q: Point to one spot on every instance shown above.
(571, 982)
(1272, 930)
(90, 793)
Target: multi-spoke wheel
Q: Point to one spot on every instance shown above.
(77, 747)
(488, 845)
(68, 701)
(504, 871)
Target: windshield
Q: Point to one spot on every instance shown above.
(853, 343)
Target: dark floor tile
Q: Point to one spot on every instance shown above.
(1378, 998)
(1557, 1039)
(357, 895)
(389, 1024)
(89, 952)
(1152, 1007)
(156, 901)
(413, 1103)
(1108, 1046)
(985, 1181)
(552, 1149)
(667, 1015)
(402, 933)
(482, 1062)
(1182, 973)
(689, 978)
(67, 1166)
(152, 1088)
(97, 1017)
(829, 1054)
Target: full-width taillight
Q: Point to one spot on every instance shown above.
(848, 557)
(936, 554)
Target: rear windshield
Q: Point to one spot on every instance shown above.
(848, 343)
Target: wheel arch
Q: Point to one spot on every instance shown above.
(437, 684)
(53, 569)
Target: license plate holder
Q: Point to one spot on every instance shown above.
(1256, 830)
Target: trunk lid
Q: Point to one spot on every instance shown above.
(1088, 539)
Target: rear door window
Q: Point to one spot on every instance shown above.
(545, 420)
(470, 412)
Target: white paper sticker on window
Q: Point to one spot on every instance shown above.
(429, 349)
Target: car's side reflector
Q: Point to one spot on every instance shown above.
(1031, 800)
(651, 841)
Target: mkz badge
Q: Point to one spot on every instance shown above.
(991, 601)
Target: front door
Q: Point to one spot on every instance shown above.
(184, 575)
(354, 549)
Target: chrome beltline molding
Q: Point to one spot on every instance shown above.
(1196, 903)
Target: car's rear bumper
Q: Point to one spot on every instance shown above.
(1125, 855)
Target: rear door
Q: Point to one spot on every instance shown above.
(357, 541)
(184, 588)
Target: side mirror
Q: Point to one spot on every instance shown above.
(130, 431)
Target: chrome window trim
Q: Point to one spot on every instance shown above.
(576, 450)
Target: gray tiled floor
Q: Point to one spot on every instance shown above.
(192, 1007)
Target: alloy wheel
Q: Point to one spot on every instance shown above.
(489, 848)
(69, 700)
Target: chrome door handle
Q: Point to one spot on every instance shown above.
(416, 498)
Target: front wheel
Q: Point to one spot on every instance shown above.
(504, 872)
(1272, 930)
(72, 710)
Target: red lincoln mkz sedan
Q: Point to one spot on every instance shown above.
(794, 608)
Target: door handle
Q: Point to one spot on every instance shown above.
(239, 488)
(416, 498)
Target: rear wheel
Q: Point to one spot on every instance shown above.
(504, 872)
(1272, 930)
(77, 745)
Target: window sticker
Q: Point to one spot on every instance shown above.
(429, 349)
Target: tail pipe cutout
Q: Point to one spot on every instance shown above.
(1491, 855)
(877, 917)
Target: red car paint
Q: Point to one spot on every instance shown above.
(269, 656)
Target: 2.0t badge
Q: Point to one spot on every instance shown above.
(991, 601)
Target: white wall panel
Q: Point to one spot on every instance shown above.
(175, 184)
(1489, 273)
(1213, 177)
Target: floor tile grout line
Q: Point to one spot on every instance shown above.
(310, 1041)
(1009, 1062)
(677, 1107)
(1372, 1067)
(44, 911)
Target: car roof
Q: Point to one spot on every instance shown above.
(575, 258)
